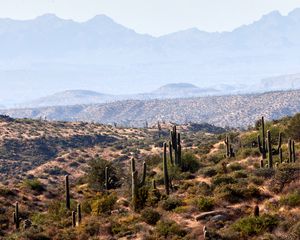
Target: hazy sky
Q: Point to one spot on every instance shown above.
(156, 17)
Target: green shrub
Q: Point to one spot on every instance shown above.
(266, 173)
(240, 174)
(222, 179)
(292, 199)
(168, 228)
(249, 226)
(91, 227)
(103, 204)
(142, 197)
(248, 152)
(284, 175)
(235, 166)
(96, 174)
(201, 189)
(57, 210)
(171, 203)
(153, 197)
(234, 193)
(150, 216)
(204, 203)
(216, 158)
(34, 184)
(190, 163)
(209, 172)
(257, 180)
(293, 128)
(5, 191)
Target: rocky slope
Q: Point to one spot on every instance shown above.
(233, 111)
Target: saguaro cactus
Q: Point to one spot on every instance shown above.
(134, 189)
(171, 153)
(262, 142)
(279, 143)
(106, 178)
(256, 211)
(280, 155)
(153, 184)
(134, 182)
(229, 148)
(78, 214)
(174, 144)
(179, 155)
(290, 150)
(144, 173)
(262, 163)
(159, 129)
(16, 216)
(165, 166)
(132, 165)
(68, 204)
(73, 219)
(270, 156)
(294, 151)
(226, 141)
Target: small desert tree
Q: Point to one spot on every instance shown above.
(96, 174)
(293, 129)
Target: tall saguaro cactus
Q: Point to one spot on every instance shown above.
(73, 219)
(79, 214)
(280, 155)
(176, 146)
(135, 185)
(106, 178)
(226, 141)
(174, 143)
(270, 156)
(16, 216)
(134, 190)
(132, 161)
(279, 143)
(290, 150)
(229, 149)
(144, 173)
(171, 153)
(262, 142)
(166, 174)
(67, 189)
(294, 151)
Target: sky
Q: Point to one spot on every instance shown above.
(155, 17)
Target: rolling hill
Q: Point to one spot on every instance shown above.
(231, 110)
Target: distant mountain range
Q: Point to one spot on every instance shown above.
(233, 111)
(284, 82)
(48, 54)
(75, 97)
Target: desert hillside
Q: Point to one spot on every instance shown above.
(233, 111)
(76, 180)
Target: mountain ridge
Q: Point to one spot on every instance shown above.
(232, 110)
(79, 97)
(103, 55)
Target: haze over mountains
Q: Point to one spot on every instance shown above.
(74, 97)
(47, 55)
(233, 111)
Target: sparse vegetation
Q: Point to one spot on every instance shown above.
(132, 183)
